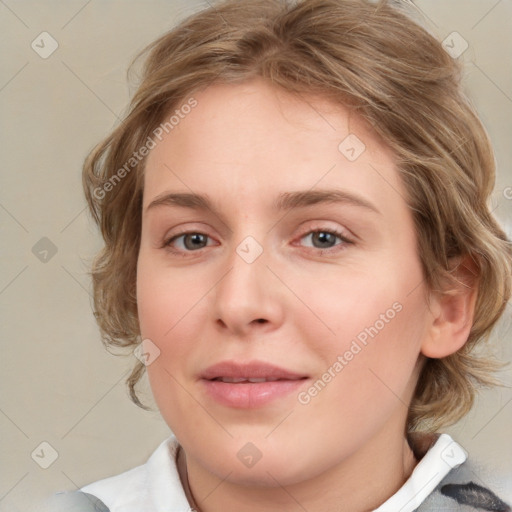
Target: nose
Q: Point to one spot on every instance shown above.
(248, 298)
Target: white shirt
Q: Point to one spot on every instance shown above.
(156, 486)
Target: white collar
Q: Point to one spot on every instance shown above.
(156, 485)
(444, 455)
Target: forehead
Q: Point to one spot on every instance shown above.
(249, 142)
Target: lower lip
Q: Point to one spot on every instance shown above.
(248, 395)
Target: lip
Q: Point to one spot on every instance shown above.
(247, 395)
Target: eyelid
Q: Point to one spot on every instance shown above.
(322, 226)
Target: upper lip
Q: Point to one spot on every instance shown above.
(249, 370)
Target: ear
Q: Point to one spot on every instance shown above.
(453, 311)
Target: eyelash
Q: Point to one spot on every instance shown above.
(342, 236)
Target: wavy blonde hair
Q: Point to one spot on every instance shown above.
(372, 58)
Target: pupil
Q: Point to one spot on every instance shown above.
(324, 238)
(196, 239)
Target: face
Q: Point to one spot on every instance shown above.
(287, 301)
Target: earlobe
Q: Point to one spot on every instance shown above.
(453, 311)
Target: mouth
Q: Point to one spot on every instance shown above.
(254, 371)
(253, 380)
(249, 385)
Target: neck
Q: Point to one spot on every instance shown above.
(360, 484)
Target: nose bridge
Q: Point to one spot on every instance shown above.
(246, 294)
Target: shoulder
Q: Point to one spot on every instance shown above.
(474, 487)
(73, 502)
(135, 490)
(468, 487)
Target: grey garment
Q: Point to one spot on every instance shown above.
(464, 489)
(74, 502)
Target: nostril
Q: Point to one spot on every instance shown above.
(261, 320)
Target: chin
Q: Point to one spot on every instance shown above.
(267, 466)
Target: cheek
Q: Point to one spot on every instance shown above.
(169, 302)
(368, 373)
(354, 305)
(367, 330)
(164, 297)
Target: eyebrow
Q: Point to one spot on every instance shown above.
(285, 201)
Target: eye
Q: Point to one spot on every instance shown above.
(321, 239)
(326, 239)
(191, 241)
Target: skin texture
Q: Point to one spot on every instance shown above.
(299, 305)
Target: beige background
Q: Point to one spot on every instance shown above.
(58, 383)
